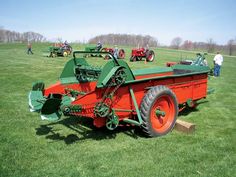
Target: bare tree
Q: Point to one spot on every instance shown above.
(2, 34)
(125, 39)
(211, 45)
(13, 36)
(231, 45)
(187, 45)
(176, 42)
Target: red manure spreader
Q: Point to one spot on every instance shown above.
(116, 95)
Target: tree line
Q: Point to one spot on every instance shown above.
(209, 46)
(13, 36)
(125, 39)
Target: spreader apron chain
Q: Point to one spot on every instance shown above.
(103, 107)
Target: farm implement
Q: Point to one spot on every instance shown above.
(118, 53)
(60, 50)
(140, 53)
(116, 95)
(200, 60)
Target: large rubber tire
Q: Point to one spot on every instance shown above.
(54, 55)
(105, 57)
(121, 54)
(139, 58)
(65, 54)
(163, 99)
(150, 56)
(70, 50)
(133, 58)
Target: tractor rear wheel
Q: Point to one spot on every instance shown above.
(139, 58)
(150, 55)
(133, 58)
(65, 54)
(106, 57)
(121, 54)
(53, 55)
(159, 110)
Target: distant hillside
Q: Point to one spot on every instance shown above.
(13, 36)
(125, 39)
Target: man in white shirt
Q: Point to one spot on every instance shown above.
(218, 60)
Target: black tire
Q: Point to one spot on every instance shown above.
(104, 56)
(132, 58)
(69, 49)
(64, 53)
(150, 56)
(163, 99)
(139, 58)
(121, 54)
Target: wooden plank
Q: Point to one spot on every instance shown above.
(184, 126)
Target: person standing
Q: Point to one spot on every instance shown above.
(29, 51)
(218, 60)
(116, 52)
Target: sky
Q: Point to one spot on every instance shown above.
(80, 20)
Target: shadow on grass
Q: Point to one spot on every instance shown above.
(84, 129)
(189, 110)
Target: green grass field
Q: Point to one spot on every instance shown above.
(73, 147)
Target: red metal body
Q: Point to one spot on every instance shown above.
(189, 87)
(171, 63)
(140, 52)
(121, 52)
(111, 50)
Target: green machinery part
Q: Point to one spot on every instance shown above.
(52, 107)
(78, 70)
(50, 110)
(101, 109)
(36, 98)
(112, 121)
(200, 60)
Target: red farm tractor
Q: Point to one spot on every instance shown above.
(139, 53)
(117, 53)
(116, 95)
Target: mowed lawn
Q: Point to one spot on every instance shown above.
(73, 147)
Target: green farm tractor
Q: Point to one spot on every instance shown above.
(93, 49)
(118, 53)
(60, 50)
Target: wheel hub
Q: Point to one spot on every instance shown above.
(160, 113)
